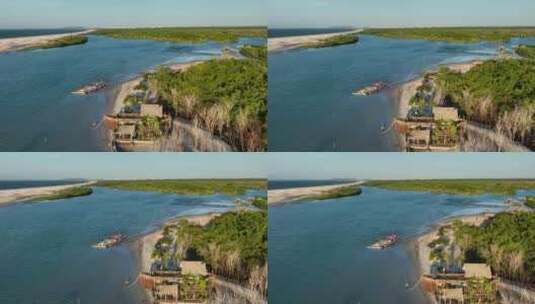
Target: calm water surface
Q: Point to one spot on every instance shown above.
(40, 114)
(318, 254)
(46, 248)
(311, 107)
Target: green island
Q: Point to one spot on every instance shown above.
(454, 34)
(457, 186)
(258, 52)
(226, 97)
(60, 42)
(233, 246)
(66, 193)
(333, 41)
(526, 51)
(187, 187)
(335, 193)
(185, 34)
(497, 93)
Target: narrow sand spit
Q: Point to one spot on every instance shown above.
(19, 43)
(24, 194)
(147, 242)
(293, 194)
(288, 43)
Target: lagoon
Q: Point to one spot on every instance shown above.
(38, 111)
(318, 254)
(311, 107)
(46, 248)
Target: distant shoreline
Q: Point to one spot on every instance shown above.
(19, 43)
(289, 195)
(24, 194)
(280, 44)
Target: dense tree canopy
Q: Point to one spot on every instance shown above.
(506, 242)
(227, 97)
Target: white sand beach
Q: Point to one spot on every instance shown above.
(293, 194)
(24, 194)
(288, 43)
(19, 43)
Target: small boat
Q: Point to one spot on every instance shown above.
(371, 89)
(111, 241)
(386, 242)
(90, 88)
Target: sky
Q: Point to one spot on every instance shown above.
(128, 13)
(324, 166)
(394, 13)
(56, 166)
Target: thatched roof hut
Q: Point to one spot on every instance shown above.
(477, 270)
(445, 113)
(193, 268)
(151, 110)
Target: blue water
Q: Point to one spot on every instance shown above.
(311, 107)
(40, 114)
(318, 254)
(12, 33)
(46, 250)
(288, 32)
(16, 184)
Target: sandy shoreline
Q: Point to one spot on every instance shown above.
(408, 89)
(421, 249)
(288, 195)
(19, 43)
(147, 242)
(292, 42)
(24, 194)
(126, 88)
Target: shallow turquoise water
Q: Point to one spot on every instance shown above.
(38, 113)
(311, 107)
(46, 248)
(318, 254)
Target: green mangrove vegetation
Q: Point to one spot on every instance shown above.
(226, 97)
(335, 193)
(457, 186)
(454, 34)
(185, 34)
(526, 51)
(506, 242)
(67, 193)
(530, 201)
(260, 202)
(334, 41)
(258, 52)
(188, 186)
(60, 42)
(499, 93)
(234, 246)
